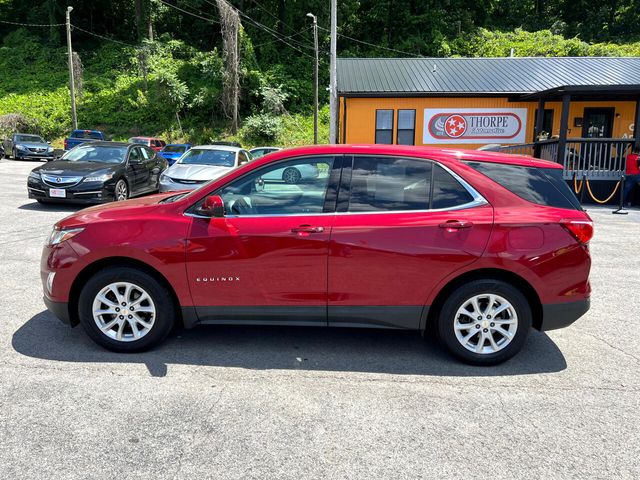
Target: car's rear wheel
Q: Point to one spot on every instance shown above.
(126, 310)
(291, 175)
(121, 191)
(485, 322)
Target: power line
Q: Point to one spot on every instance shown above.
(206, 19)
(102, 37)
(289, 37)
(272, 15)
(33, 24)
(373, 44)
(277, 37)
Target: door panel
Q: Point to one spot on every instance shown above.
(383, 267)
(402, 226)
(257, 267)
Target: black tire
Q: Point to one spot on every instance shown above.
(447, 317)
(15, 155)
(121, 184)
(291, 175)
(165, 317)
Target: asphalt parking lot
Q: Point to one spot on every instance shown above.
(258, 402)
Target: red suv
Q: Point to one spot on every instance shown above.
(476, 246)
(155, 144)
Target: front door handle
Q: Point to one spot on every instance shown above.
(307, 229)
(456, 224)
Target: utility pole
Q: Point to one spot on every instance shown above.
(315, 78)
(74, 117)
(333, 83)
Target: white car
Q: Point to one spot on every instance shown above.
(202, 164)
(293, 175)
(262, 151)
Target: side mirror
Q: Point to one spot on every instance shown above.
(49, 143)
(213, 206)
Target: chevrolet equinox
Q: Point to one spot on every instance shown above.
(478, 247)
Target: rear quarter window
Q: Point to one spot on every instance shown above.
(543, 186)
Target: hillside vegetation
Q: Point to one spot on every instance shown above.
(171, 85)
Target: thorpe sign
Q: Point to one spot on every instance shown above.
(474, 125)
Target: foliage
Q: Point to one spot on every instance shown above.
(172, 85)
(486, 43)
(261, 127)
(14, 122)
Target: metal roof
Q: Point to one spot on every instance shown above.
(459, 76)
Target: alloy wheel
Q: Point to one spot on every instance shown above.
(485, 323)
(124, 311)
(291, 175)
(121, 191)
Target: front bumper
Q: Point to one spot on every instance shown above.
(31, 155)
(170, 185)
(60, 310)
(85, 193)
(560, 315)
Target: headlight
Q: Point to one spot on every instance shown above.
(21, 147)
(49, 149)
(99, 178)
(58, 236)
(164, 178)
(34, 175)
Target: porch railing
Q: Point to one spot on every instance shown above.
(592, 158)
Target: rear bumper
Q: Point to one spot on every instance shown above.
(560, 315)
(60, 310)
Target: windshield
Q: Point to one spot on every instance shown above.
(174, 149)
(141, 141)
(29, 138)
(86, 134)
(89, 153)
(221, 158)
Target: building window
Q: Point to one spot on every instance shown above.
(406, 127)
(547, 121)
(384, 126)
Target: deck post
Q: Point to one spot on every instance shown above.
(636, 127)
(564, 126)
(538, 129)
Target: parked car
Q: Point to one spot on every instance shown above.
(201, 164)
(477, 246)
(262, 151)
(82, 136)
(97, 172)
(174, 151)
(155, 144)
(23, 146)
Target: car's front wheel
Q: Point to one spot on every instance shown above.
(485, 322)
(126, 310)
(121, 191)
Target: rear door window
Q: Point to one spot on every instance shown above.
(543, 186)
(389, 184)
(447, 191)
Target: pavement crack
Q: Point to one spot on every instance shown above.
(624, 352)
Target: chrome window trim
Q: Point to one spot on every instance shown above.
(478, 199)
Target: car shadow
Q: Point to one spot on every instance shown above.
(52, 207)
(287, 348)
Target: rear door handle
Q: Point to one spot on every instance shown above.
(307, 229)
(456, 224)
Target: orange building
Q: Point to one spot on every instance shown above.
(473, 102)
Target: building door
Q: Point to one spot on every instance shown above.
(598, 123)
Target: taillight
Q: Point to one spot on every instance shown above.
(582, 230)
(66, 144)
